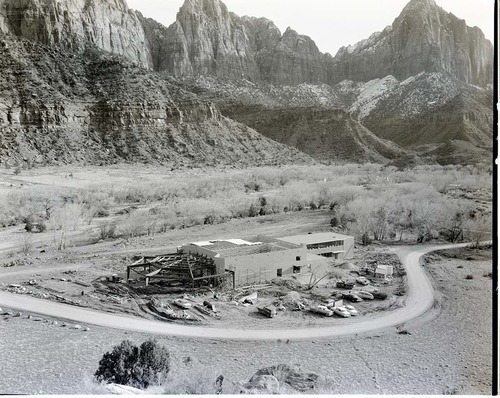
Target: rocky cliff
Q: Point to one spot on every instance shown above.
(206, 39)
(92, 81)
(91, 107)
(73, 24)
(424, 37)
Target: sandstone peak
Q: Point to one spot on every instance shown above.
(208, 7)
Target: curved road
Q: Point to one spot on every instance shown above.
(419, 300)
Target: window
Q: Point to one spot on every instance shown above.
(297, 258)
(279, 272)
(296, 269)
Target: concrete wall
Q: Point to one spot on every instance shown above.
(348, 248)
(219, 262)
(261, 267)
(256, 268)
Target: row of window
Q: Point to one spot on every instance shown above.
(330, 254)
(324, 245)
(296, 270)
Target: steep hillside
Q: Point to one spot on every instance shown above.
(95, 108)
(429, 108)
(93, 81)
(325, 134)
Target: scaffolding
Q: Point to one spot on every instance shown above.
(185, 268)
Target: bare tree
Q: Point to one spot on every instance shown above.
(477, 229)
(316, 277)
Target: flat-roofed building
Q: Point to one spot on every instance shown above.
(383, 271)
(255, 260)
(326, 244)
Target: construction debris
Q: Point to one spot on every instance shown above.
(268, 310)
(186, 268)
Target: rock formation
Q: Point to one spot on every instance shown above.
(93, 81)
(423, 37)
(206, 39)
(73, 24)
(91, 107)
(325, 134)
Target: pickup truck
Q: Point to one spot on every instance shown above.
(345, 284)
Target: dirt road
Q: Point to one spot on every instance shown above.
(419, 300)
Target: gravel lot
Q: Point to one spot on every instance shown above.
(447, 351)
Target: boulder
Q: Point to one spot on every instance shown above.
(262, 384)
(119, 389)
(298, 381)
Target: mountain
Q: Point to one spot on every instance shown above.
(207, 39)
(94, 81)
(91, 107)
(424, 37)
(73, 24)
(429, 108)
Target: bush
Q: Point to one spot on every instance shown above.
(29, 224)
(107, 230)
(138, 367)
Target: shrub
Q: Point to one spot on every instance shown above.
(29, 224)
(107, 230)
(135, 366)
(252, 211)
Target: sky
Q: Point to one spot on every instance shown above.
(330, 23)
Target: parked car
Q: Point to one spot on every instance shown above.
(345, 284)
(352, 297)
(341, 311)
(321, 309)
(184, 304)
(362, 280)
(364, 295)
(351, 309)
(269, 311)
(379, 295)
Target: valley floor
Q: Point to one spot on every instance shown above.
(446, 351)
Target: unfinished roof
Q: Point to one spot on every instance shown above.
(239, 247)
(309, 239)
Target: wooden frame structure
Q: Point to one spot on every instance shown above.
(177, 267)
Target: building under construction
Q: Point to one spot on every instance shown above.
(184, 268)
(243, 262)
